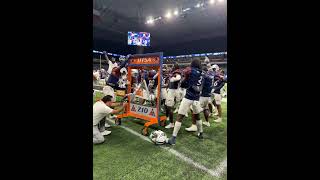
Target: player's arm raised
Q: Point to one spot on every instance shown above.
(105, 55)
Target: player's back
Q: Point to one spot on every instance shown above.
(194, 81)
(218, 83)
(207, 84)
(114, 77)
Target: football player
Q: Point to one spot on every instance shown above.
(193, 83)
(123, 79)
(112, 82)
(135, 82)
(111, 64)
(164, 86)
(205, 97)
(173, 93)
(212, 105)
(182, 91)
(219, 81)
(151, 81)
(96, 77)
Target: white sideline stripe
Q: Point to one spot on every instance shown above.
(222, 166)
(217, 172)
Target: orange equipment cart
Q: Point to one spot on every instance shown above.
(151, 61)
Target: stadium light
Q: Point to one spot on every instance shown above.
(150, 20)
(198, 5)
(211, 1)
(176, 12)
(186, 10)
(168, 15)
(220, 0)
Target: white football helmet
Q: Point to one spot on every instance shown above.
(216, 67)
(158, 137)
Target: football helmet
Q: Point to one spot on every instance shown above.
(158, 137)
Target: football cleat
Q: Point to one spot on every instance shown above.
(206, 123)
(105, 133)
(171, 125)
(107, 125)
(218, 120)
(192, 128)
(172, 141)
(200, 135)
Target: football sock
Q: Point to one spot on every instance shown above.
(176, 128)
(199, 126)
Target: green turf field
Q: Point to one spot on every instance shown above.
(126, 156)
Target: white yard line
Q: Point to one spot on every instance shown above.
(216, 172)
(221, 168)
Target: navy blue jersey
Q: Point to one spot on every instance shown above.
(193, 82)
(207, 84)
(114, 78)
(218, 84)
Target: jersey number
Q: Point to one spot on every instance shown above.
(200, 81)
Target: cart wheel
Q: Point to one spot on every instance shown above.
(117, 121)
(144, 131)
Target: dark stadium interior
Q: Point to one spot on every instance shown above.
(201, 30)
(156, 64)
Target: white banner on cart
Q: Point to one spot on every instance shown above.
(143, 110)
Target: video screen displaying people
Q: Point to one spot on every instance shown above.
(139, 38)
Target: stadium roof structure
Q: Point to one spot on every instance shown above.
(114, 18)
